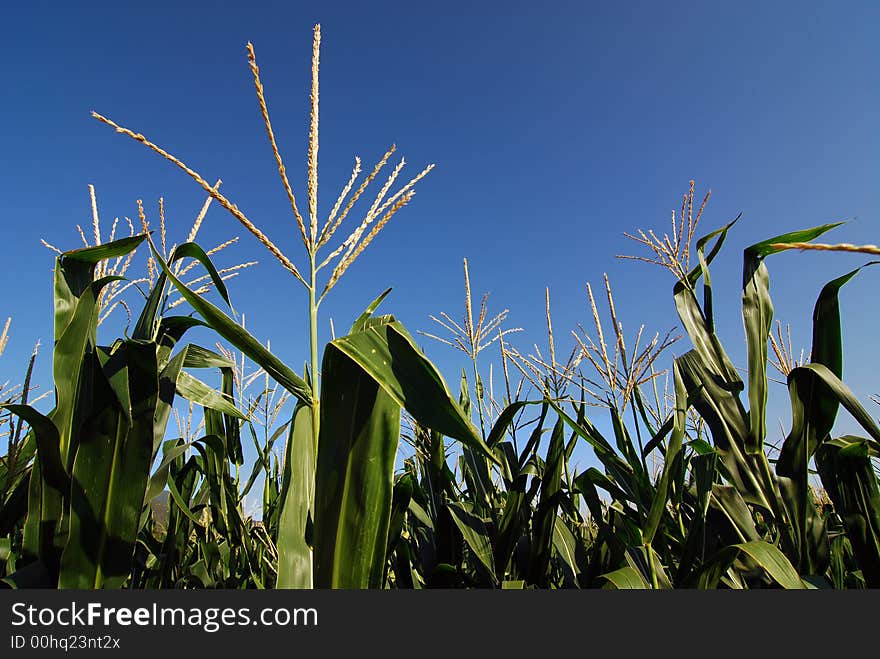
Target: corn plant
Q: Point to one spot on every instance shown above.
(90, 477)
(15, 464)
(687, 491)
(760, 502)
(337, 481)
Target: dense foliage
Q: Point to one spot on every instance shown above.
(687, 491)
(686, 495)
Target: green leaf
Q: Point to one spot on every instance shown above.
(198, 392)
(765, 555)
(727, 420)
(592, 478)
(147, 322)
(475, 533)
(32, 575)
(851, 482)
(514, 516)
(548, 503)
(758, 317)
(402, 495)
(626, 578)
(48, 440)
(76, 319)
(503, 422)
(774, 562)
(111, 468)
(173, 449)
(297, 497)
(565, 545)
(844, 396)
(661, 493)
(389, 354)
(359, 428)
(474, 467)
(239, 337)
(73, 341)
(182, 505)
(75, 272)
(89, 256)
(814, 409)
(620, 471)
(730, 503)
(698, 322)
(766, 247)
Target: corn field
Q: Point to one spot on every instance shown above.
(377, 472)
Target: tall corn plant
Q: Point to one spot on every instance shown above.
(16, 464)
(761, 502)
(844, 463)
(525, 526)
(655, 530)
(337, 493)
(90, 477)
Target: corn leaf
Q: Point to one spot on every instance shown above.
(757, 310)
(766, 556)
(388, 353)
(240, 337)
(626, 578)
(297, 499)
(360, 424)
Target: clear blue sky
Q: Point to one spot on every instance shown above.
(555, 127)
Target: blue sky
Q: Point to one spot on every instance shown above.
(555, 127)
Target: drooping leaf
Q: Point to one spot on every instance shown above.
(111, 468)
(626, 578)
(388, 353)
(758, 317)
(239, 337)
(198, 392)
(661, 496)
(851, 482)
(765, 555)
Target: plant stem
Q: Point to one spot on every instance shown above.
(313, 344)
(653, 569)
(478, 390)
